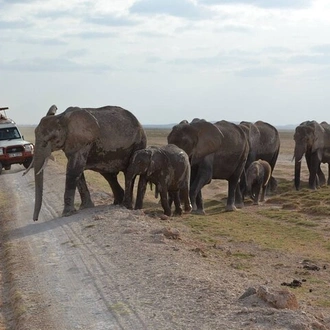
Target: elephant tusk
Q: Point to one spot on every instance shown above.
(299, 161)
(43, 166)
(45, 163)
(29, 168)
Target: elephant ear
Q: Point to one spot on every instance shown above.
(209, 139)
(82, 129)
(157, 161)
(319, 132)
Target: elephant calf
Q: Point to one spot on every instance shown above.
(168, 168)
(258, 175)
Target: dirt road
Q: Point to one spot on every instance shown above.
(111, 268)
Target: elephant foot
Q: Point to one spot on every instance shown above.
(198, 211)
(178, 212)
(168, 213)
(239, 205)
(87, 205)
(128, 205)
(230, 208)
(67, 213)
(188, 209)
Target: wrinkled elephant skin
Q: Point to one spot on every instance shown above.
(264, 143)
(257, 177)
(216, 151)
(312, 140)
(98, 139)
(168, 168)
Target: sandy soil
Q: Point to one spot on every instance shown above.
(111, 268)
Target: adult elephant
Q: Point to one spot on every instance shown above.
(216, 151)
(264, 143)
(312, 140)
(168, 168)
(99, 139)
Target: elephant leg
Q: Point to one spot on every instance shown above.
(263, 192)
(313, 178)
(243, 184)
(256, 195)
(85, 196)
(184, 196)
(141, 190)
(328, 174)
(239, 197)
(199, 204)
(69, 194)
(164, 201)
(232, 183)
(128, 195)
(74, 177)
(321, 177)
(202, 177)
(175, 196)
(118, 191)
(313, 165)
(171, 198)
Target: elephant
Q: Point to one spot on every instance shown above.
(312, 140)
(264, 143)
(216, 151)
(168, 168)
(99, 139)
(257, 177)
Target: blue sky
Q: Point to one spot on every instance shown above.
(168, 60)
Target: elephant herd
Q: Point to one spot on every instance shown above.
(110, 140)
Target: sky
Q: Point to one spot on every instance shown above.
(167, 60)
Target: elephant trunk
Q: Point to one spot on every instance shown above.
(297, 168)
(299, 151)
(40, 157)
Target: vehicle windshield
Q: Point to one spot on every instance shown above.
(9, 133)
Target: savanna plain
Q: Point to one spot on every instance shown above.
(192, 271)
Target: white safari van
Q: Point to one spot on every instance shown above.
(13, 148)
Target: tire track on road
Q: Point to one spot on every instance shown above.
(70, 282)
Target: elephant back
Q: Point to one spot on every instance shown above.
(119, 128)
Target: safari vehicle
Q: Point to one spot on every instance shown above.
(13, 148)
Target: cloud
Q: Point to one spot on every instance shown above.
(235, 28)
(42, 41)
(110, 20)
(10, 2)
(93, 35)
(258, 72)
(51, 65)
(261, 3)
(11, 25)
(178, 8)
(319, 59)
(325, 48)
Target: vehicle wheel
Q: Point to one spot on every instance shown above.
(8, 167)
(27, 163)
(0, 167)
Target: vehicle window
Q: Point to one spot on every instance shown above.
(9, 133)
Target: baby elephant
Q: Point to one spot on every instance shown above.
(258, 175)
(168, 168)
